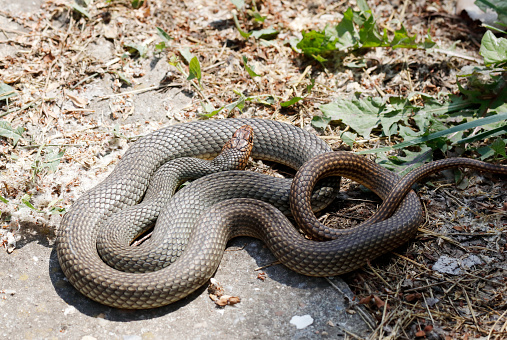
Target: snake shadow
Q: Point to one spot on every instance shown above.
(94, 309)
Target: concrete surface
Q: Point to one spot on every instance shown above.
(37, 302)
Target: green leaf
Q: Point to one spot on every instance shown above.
(457, 128)
(244, 34)
(258, 17)
(239, 4)
(250, 71)
(486, 134)
(320, 122)
(310, 87)
(363, 6)
(409, 161)
(123, 79)
(81, 10)
(141, 49)
(267, 34)
(500, 7)
(26, 201)
(210, 110)
(362, 115)
(348, 138)
(316, 43)
(7, 91)
(52, 160)
(403, 40)
(369, 34)
(8, 132)
(3, 199)
(493, 49)
(499, 147)
(185, 53)
(428, 41)
(160, 46)
(194, 69)
(163, 35)
(137, 3)
(290, 102)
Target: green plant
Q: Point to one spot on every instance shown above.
(479, 113)
(256, 18)
(357, 30)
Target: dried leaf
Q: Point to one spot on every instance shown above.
(420, 334)
(78, 101)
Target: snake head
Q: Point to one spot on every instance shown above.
(240, 144)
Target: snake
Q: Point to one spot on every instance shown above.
(233, 203)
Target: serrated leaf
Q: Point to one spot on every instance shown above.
(402, 39)
(493, 49)
(8, 132)
(194, 69)
(316, 43)
(362, 115)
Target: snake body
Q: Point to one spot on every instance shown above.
(228, 204)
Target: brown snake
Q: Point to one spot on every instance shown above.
(215, 208)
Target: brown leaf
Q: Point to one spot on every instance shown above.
(420, 334)
(48, 58)
(78, 101)
(365, 300)
(413, 296)
(378, 301)
(261, 276)
(428, 328)
(227, 300)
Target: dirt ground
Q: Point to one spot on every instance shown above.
(81, 96)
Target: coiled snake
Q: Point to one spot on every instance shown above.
(223, 205)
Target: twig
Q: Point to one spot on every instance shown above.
(154, 87)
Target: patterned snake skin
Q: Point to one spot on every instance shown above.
(211, 210)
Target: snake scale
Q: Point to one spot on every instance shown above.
(215, 208)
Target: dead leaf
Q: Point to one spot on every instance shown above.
(365, 300)
(420, 334)
(378, 301)
(78, 101)
(48, 58)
